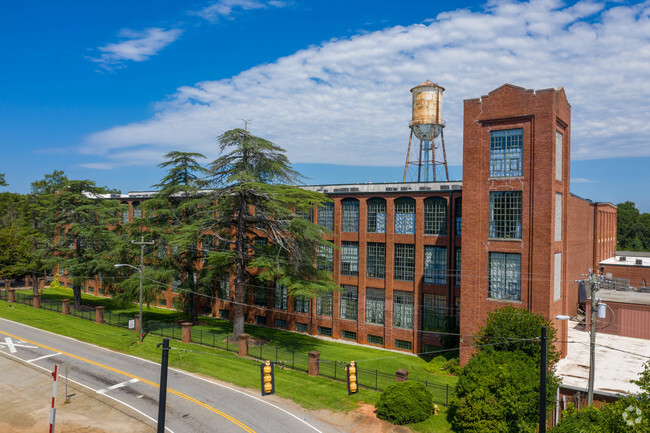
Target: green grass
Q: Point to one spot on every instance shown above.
(309, 392)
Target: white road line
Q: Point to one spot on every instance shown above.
(43, 357)
(10, 345)
(119, 385)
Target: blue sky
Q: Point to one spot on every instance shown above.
(101, 90)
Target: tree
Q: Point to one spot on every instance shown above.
(14, 246)
(50, 183)
(633, 228)
(498, 389)
(3, 182)
(254, 194)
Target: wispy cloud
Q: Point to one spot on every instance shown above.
(225, 8)
(581, 180)
(135, 46)
(347, 101)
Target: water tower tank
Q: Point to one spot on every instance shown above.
(427, 111)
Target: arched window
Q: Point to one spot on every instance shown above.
(435, 216)
(376, 211)
(405, 215)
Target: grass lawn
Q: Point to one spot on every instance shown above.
(309, 392)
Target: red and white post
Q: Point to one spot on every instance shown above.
(55, 374)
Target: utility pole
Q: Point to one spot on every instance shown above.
(593, 288)
(142, 244)
(162, 396)
(542, 382)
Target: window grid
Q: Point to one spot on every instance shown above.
(505, 214)
(326, 216)
(434, 312)
(459, 217)
(137, 210)
(322, 330)
(224, 289)
(375, 339)
(376, 260)
(350, 216)
(349, 335)
(324, 305)
(506, 152)
(301, 327)
(403, 344)
(504, 281)
(435, 216)
(375, 306)
(349, 258)
(435, 264)
(376, 215)
(125, 215)
(403, 309)
(458, 264)
(259, 296)
(301, 304)
(279, 323)
(349, 302)
(325, 257)
(404, 262)
(457, 309)
(280, 297)
(405, 216)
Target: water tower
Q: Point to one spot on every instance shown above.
(427, 126)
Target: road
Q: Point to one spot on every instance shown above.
(194, 404)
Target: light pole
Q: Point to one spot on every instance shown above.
(119, 265)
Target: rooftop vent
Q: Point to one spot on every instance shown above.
(425, 188)
(444, 186)
(639, 261)
(391, 188)
(622, 258)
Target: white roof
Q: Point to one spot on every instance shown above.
(618, 360)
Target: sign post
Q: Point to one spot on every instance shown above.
(131, 327)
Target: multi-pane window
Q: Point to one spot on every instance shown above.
(376, 211)
(434, 312)
(349, 302)
(459, 217)
(376, 260)
(403, 309)
(280, 297)
(349, 215)
(405, 215)
(125, 213)
(350, 258)
(504, 281)
(558, 155)
(375, 306)
(435, 264)
(324, 304)
(505, 214)
(137, 210)
(325, 257)
(435, 216)
(404, 262)
(259, 296)
(224, 288)
(326, 216)
(506, 152)
(301, 304)
(403, 344)
(305, 214)
(458, 263)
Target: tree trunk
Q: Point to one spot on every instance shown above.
(240, 274)
(34, 283)
(76, 292)
(193, 316)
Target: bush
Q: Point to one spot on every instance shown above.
(436, 365)
(405, 403)
(453, 366)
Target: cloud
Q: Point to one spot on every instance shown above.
(582, 180)
(136, 46)
(225, 8)
(347, 101)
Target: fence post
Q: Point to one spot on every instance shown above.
(12, 295)
(401, 375)
(99, 315)
(314, 363)
(187, 332)
(243, 344)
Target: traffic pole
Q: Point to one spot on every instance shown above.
(162, 398)
(55, 375)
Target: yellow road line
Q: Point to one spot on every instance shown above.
(148, 382)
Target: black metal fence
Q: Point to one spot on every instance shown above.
(367, 378)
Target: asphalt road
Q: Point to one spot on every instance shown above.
(194, 404)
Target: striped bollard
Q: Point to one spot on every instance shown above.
(55, 375)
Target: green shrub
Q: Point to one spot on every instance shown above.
(405, 403)
(436, 365)
(453, 366)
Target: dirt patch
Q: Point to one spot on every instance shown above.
(26, 400)
(361, 420)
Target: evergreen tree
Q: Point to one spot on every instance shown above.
(254, 194)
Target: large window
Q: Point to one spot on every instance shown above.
(505, 214)
(301, 304)
(375, 306)
(405, 215)
(137, 210)
(375, 260)
(458, 264)
(403, 309)
(557, 277)
(224, 289)
(434, 312)
(259, 296)
(435, 265)
(506, 152)
(324, 304)
(376, 211)
(558, 216)
(350, 215)
(280, 297)
(325, 257)
(349, 258)
(404, 262)
(459, 217)
(504, 281)
(125, 213)
(349, 302)
(558, 155)
(435, 216)
(326, 216)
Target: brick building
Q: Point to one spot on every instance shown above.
(413, 258)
